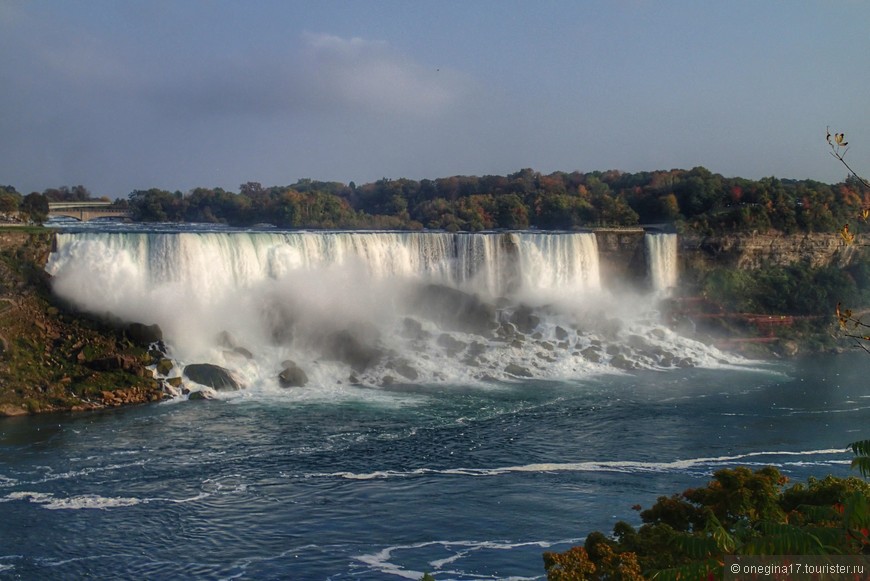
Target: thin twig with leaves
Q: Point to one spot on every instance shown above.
(839, 147)
(852, 324)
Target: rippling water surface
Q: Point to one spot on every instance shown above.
(387, 483)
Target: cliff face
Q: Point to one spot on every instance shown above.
(622, 252)
(53, 359)
(622, 257)
(752, 251)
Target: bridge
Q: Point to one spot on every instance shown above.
(84, 211)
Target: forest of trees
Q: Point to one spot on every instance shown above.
(696, 200)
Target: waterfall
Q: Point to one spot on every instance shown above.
(370, 308)
(492, 264)
(661, 253)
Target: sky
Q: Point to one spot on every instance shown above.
(176, 94)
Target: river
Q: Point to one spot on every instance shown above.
(467, 471)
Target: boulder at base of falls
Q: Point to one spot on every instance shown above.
(212, 376)
(202, 394)
(144, 335)
(591, 354)
(413, 329)
(524, 319)
(405, 369)
(517, 370)
(454, 310)
(354, 348)
(621, 362)
(292, 376)
(450, 344)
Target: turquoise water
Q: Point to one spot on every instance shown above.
(387, 483)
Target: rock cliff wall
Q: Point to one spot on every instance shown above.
(622, 252)
(752, 251)
(52, 358)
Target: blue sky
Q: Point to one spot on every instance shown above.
(175, 94)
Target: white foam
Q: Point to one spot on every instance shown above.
(85, 471)
(52, 502)
(382, 561)
(621, 466)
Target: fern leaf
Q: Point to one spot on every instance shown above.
(701, 570)
(790, 542)
(696, 547)
(861, 447)
(862, 464)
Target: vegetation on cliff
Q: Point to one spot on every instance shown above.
(697, 200)
(739, 512)
(55, 359)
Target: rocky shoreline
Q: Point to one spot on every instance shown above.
(53, 359)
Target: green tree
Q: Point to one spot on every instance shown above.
(739, 512)
(35, 206)
(9, 201)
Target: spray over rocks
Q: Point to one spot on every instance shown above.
(308, 310)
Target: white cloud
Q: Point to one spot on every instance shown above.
(373, 76)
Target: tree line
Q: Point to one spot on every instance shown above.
(694, 200)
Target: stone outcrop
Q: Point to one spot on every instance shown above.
(292, 375)
(356, 347)
(53, 358)
(455, 310)
(144, 335)
(752, 251)
(213, 376)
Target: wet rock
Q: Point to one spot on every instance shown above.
(212, 376)
(164, 366)
(476, 348)
(144, 335)
(684, 363)
(506, 331)
(359, 353)
(241, 351)
(413, 329)
(450, 344)
(524, 319)
(547, 345)
(455, 310)
(591, 354)
(620, 362)
(404, 368)
(613, 350)
(126, 363)
(201, 395)
(292, 376)
(637, 342)
(561, 334)
(517, 370)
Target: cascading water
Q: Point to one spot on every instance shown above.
(372, 308)
(661, 253)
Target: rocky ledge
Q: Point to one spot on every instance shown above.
(53, 359)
